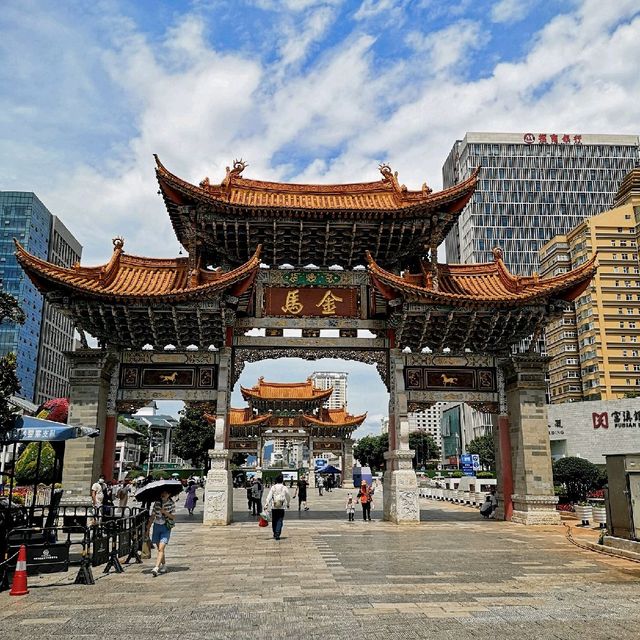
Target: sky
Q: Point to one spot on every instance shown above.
(303, 90)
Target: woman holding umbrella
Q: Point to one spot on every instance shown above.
(162, 516)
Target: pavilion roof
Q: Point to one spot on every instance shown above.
(287, 391)
(335, 418)
(302, 224)
(246, 417)
(480, 284)
(131, 278)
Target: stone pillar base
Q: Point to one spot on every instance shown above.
(400, 494)
(531, 510)
(218, 491)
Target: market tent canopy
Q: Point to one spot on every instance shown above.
(29, 429)
(329, 469)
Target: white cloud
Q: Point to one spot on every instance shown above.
(370, 8)
(511, 11)
(449, 47)
(298, 38)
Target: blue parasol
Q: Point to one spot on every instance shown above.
(29, 429)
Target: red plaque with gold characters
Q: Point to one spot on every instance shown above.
(315, 302)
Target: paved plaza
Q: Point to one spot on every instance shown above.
(453, 576)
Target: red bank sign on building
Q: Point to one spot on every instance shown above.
(552, 138)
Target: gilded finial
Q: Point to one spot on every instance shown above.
(497, 253)
(118, 242)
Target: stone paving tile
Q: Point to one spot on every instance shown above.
(451, 577)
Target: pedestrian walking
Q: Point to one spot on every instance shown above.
(320, 485)
(350, 507)
(364, 497)
(123, 493)
(163, 520)
(192, 498)
(256, 497)
(248, 487)
(301, 493)
(278, 500)
(97, 496)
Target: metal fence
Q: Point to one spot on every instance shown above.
(74, 536)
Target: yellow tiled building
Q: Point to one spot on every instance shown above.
(595, 345)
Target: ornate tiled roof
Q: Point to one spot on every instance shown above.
(127, 277)
(477, 284)
(246, 417)
(335, 418)
(294, 391)
(383, 195)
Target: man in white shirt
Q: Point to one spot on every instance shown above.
(97, 495)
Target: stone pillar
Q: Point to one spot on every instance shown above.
(400, 495)
(259, 453)
(111, 427)
(347, 463)
(89, 380)
(311, 480)
(533, 496)
(218, 492)
(502, 445)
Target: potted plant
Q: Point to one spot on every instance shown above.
(584, 511)
(600, 515)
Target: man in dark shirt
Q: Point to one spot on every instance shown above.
(301, 492)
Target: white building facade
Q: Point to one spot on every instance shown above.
(336, 380)
(593, 429)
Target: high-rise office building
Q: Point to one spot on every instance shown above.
(532, 187)
(336, 380)
(428, 421)
(595, 345)
(38, 343)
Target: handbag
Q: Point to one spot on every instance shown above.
(146, 549)
(169, 523)
(262, 522)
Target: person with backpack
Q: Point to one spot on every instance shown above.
(278, 500)
(256, 496)
(365, 498)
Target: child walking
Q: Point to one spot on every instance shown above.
(350, 507)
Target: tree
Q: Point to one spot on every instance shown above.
(9, 383)
(484, 447)
(425, 447)
(577, 475)
(370, 451)
(193, 436)
(27, 465)
(238, 459)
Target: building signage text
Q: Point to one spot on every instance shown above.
(468, 379)
(311, 302)
(618, 419)
(552, 138)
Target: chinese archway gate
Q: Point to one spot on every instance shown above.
(436, 332)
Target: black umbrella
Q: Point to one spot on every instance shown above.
(151, 492)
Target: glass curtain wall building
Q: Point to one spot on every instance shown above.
(24, 217)
(532, 187)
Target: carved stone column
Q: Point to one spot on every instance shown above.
(347, 463)
(111, 427)
(400, 495)
(90, 375)
(311, 480)
(533, 496)
(502, 445)
(218, 492)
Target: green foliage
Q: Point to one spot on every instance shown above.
(193, 437)
(484, 447)
(238, 459)
(9, 383)
(26, 466)
(370, 451)
(160, 474)
(425, 447)
(485, 475)
(456, 474)
(577, 475)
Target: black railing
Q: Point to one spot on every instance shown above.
(75, 536)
